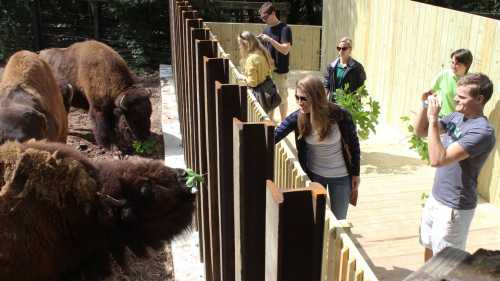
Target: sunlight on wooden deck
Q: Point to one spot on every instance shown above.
(386, 220)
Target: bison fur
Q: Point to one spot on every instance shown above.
(31, 105)
(65, 217)
(103, 84)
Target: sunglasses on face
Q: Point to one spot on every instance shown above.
(343, 48)
(300, 98)
(264, 17)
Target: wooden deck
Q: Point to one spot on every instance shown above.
(386, 220)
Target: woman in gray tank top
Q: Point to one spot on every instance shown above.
(327, 143)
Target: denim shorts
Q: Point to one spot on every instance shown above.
(442, 226)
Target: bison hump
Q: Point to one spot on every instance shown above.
(32, 174)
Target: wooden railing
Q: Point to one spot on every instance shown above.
(249, 229)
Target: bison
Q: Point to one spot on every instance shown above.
(103, 84)
(31, 105)
(65, 217)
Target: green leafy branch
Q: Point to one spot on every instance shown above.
(144, 147)
(363, 108)
(416, 143)
(193, 180)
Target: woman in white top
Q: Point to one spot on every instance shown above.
(327, 143)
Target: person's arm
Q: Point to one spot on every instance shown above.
(283, 48)
(438, 154)
(421, 123)
(286, 126)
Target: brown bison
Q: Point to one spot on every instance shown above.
(65, 217)
(103, 84)
(31, 105)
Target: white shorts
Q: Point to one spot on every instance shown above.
(442, 226)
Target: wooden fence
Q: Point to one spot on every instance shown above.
(306, 47)
(250, 228)
(403, 45)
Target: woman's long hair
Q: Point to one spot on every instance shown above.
(252, 44)
(322, 112)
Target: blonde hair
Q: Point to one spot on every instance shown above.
(252, 44)
(346, 40)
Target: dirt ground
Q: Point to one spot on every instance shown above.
(159, 266)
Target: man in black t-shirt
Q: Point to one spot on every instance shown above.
(278, 40)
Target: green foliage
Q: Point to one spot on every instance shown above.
(364, 110)
(423, 198)
(193, 178)
(416, 143)
(144, 148)
(137, 29)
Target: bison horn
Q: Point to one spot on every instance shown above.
(121, 99)
(111, 200)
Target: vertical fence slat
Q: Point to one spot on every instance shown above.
(228, 106)
(344, 259)
(204, 49)
(351, 269)
(189, 84)
(297, 216)
(216, 69)
(252, 151)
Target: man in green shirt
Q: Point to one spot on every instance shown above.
(445, 84)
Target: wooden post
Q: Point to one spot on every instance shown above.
(95, 8)
(216, 69)
(228, 106)
(204, 49)
(188, 85)
(36, 25)
(179, 89)
(252, 151)
(195, 34)
(185, 17)
(295, 218)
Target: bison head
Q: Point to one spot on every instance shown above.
(134, 105)
(151, 201)
(22, 123)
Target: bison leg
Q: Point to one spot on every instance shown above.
(103, 127)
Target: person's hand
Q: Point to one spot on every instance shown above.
(264, 37)
(355, 180)
(240, 77)
(433, 109)
(425, 95)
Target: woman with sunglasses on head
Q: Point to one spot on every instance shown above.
(344, 70)
(327, 143)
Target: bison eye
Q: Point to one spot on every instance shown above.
(128, 216)
(147, 193)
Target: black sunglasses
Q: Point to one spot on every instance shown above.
(265, 16)
(300, 98)
(343, 48)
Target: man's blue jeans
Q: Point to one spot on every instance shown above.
(339, 190)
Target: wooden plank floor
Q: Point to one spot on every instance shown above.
(387, 217)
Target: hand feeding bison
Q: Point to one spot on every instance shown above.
(31, 105)
(65, 217)
(118, 108)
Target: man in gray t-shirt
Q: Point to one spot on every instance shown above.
(468, 138)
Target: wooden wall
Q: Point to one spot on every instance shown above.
(403, 45)
(305, 53)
